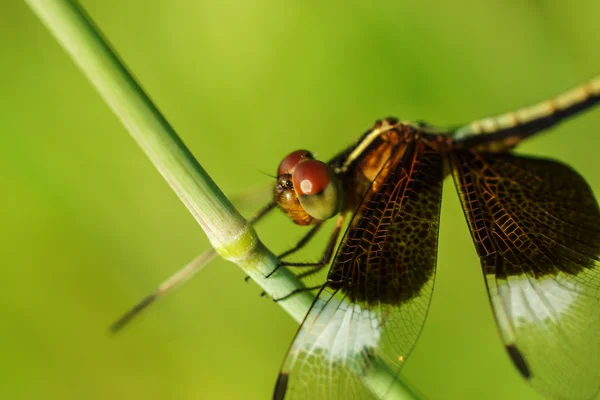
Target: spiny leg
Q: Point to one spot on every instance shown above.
(301, 243)
(328, 250)
(296, 291)
(325, 260)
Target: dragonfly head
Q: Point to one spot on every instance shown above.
(307, 190)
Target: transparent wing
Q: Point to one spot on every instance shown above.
(368, 316)
(536, 228)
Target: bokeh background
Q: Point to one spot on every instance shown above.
(87, 226)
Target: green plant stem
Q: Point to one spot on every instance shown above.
(229, 233)
(232, 236)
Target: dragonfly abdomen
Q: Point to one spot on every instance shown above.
(504, 131)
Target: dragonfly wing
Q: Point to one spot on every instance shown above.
(536, 228)
(370, 313)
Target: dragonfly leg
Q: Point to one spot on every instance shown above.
(326, 255)
(311, 271)
(301, 243)
(296, 291)
(325, 260)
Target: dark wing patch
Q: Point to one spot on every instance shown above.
(388, 253)
(536, 227)
(368, 316)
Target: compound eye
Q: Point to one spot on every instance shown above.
(318, 189)
(292, 160)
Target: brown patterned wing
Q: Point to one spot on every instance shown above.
(370, 313)
(536, 228)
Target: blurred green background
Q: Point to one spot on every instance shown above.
(88, 225)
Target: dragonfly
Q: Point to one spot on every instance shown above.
(536, 228)
(535, 224)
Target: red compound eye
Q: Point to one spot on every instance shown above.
(318, 189)
(311, 177)
(291, 161)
